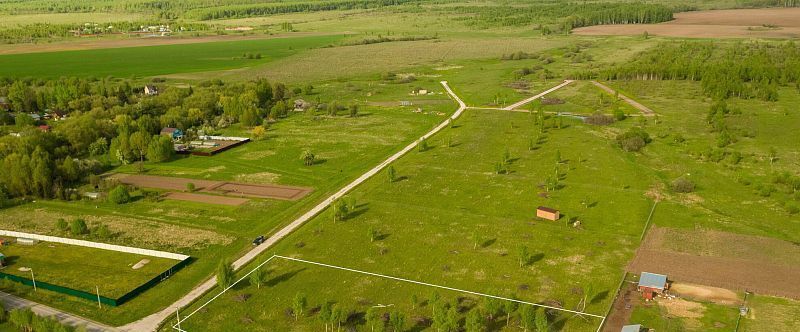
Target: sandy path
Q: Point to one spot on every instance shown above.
(645, 110)
(528, 100)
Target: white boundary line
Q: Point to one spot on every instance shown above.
(176, 326)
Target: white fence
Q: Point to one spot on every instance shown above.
(224, 138)
(104, 246)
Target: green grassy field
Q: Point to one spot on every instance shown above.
(346, 147)
(65, 265)
(157, 60)
(449, 217)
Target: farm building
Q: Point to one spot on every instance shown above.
(173, 133)
(150, 90)
(4, 104)
(632, 328)
(45, 128)
(651, 284)
(547, 213)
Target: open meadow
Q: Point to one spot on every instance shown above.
(700, 181)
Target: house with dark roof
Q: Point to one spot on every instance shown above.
(651, 284)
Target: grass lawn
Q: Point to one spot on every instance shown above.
(345, 146)
(450, 220)
(65, 265)
(156, 60)
(771, 314)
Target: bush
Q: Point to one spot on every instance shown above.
(792, 208)
(633, 140)
(78, 227)
(599, 119)
(119, 195)
(619, 115)
(682, 185)
(102, 232)
(62, 225)
(190, 187)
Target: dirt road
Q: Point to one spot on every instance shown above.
(644, 109)
(528, 100)
(151, 323)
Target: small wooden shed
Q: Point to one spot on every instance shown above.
(547, 213)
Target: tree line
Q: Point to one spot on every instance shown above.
(31, 32)
(565, 15)
(238, 11)
(743, 69)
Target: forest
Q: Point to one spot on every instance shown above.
(287, 7)
(567, 16)
(111, 122)
(744, 69)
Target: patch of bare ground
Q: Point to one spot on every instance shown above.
(690, 311)
(705, 293)
(208, 199)
(734, 23)
(215, 187)
(622, 308)
(733, 261)
(105, 42)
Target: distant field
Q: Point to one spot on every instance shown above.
(156, 60)
(735, 23)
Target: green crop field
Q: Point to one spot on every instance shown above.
(65, 265)
(157, 60)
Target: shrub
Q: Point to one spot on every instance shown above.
(78, 227)
(119, 195)
(633, 140)
(190, 187)
(102, 232)
(682, 185)
(619, 115)
(62, 225)
(599, 119)
(792, 208)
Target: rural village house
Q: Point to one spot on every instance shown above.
(174, 133)
(651, 284)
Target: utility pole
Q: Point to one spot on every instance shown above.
(99, 304)
(34, 280)
(179, 318)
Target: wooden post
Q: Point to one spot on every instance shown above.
(34, 280)
(99, 304)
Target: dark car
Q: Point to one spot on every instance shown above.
(259, 240)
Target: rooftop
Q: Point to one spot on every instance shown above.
(547, 209)
(631, 328)
(652, 280)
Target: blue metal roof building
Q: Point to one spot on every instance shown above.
(652, 280)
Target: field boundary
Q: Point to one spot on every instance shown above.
(177, 327)
(96, 245)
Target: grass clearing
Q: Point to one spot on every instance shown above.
(449, 203)
(66, 265)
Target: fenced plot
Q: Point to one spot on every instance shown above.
(216, 187)
(111, 276)
(340, 275)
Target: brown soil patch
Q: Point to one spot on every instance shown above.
(215, 187)
(200, 198)
(110, 42)
(627, 299)
(681, 308)
(705, 293)
(735, 23)
(740, 262)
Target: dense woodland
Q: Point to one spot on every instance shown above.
(744, 70)
(111, 122)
